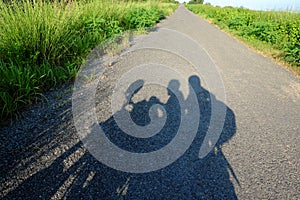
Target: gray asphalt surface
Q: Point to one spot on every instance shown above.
(256, 157)
(265, 98)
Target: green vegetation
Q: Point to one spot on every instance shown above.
(43, 43)
(277, 34)
(195, 2)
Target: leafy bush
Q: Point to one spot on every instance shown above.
(281, 30)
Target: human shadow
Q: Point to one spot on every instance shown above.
(189, 177)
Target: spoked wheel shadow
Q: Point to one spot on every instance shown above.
(187, 178)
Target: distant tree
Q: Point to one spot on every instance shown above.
(169, 1)
(196, 1)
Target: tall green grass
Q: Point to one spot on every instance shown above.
(279, 31)
(42, 43)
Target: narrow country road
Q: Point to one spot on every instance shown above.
(255, 156)
(265, 150)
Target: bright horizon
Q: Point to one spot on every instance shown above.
(258, 4)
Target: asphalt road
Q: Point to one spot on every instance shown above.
(265, 99)
(256, 155)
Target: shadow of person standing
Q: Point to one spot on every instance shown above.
(189, 177)
(210, 176)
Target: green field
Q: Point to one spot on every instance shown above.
(276, 34)
(43, 43)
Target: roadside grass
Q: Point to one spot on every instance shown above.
(43, 43)
(273, 33)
